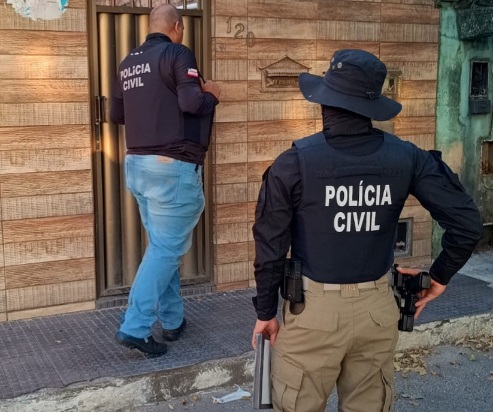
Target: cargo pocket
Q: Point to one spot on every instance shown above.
(388, 393)
(286, 384)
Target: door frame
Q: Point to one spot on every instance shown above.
(205, 62)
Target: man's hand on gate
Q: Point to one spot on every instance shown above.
(426, 295)
(210, 87)
(267, 327)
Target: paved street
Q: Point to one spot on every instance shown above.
(453, 379)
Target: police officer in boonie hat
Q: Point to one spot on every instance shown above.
(353, 82)
(335, 198)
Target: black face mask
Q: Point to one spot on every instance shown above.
(343, 122)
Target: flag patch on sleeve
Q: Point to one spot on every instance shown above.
(192, 73)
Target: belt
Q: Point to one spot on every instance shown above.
(374, 284)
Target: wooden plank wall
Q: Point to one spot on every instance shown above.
(47, 260)
(253, 127)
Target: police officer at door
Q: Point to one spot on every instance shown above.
(167, 110)
(335, 198)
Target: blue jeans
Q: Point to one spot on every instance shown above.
(170, 196)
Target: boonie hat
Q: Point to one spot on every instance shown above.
(353, 82)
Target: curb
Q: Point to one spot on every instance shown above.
(123, 394)
(445, 332)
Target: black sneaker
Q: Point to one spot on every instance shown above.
(146, 345)
(173, 334)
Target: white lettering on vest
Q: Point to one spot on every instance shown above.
(357, 196)
(343, 222)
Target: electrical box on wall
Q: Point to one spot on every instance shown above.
(479, 102)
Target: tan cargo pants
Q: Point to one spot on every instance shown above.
(344, 338)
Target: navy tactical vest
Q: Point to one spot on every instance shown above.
(153, 118)
(345, 225)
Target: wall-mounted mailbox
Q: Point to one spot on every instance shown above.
(479, 103)
(282, 75)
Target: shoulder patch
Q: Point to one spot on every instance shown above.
(192, 73)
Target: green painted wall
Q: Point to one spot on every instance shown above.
(459, 134)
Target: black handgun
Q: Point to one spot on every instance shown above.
(292, 287)
(406, 288)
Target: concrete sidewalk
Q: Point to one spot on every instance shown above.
(71, 362)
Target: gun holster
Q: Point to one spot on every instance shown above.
(292, 286)
(406, 289)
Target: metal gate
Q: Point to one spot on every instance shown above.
(120, 237)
